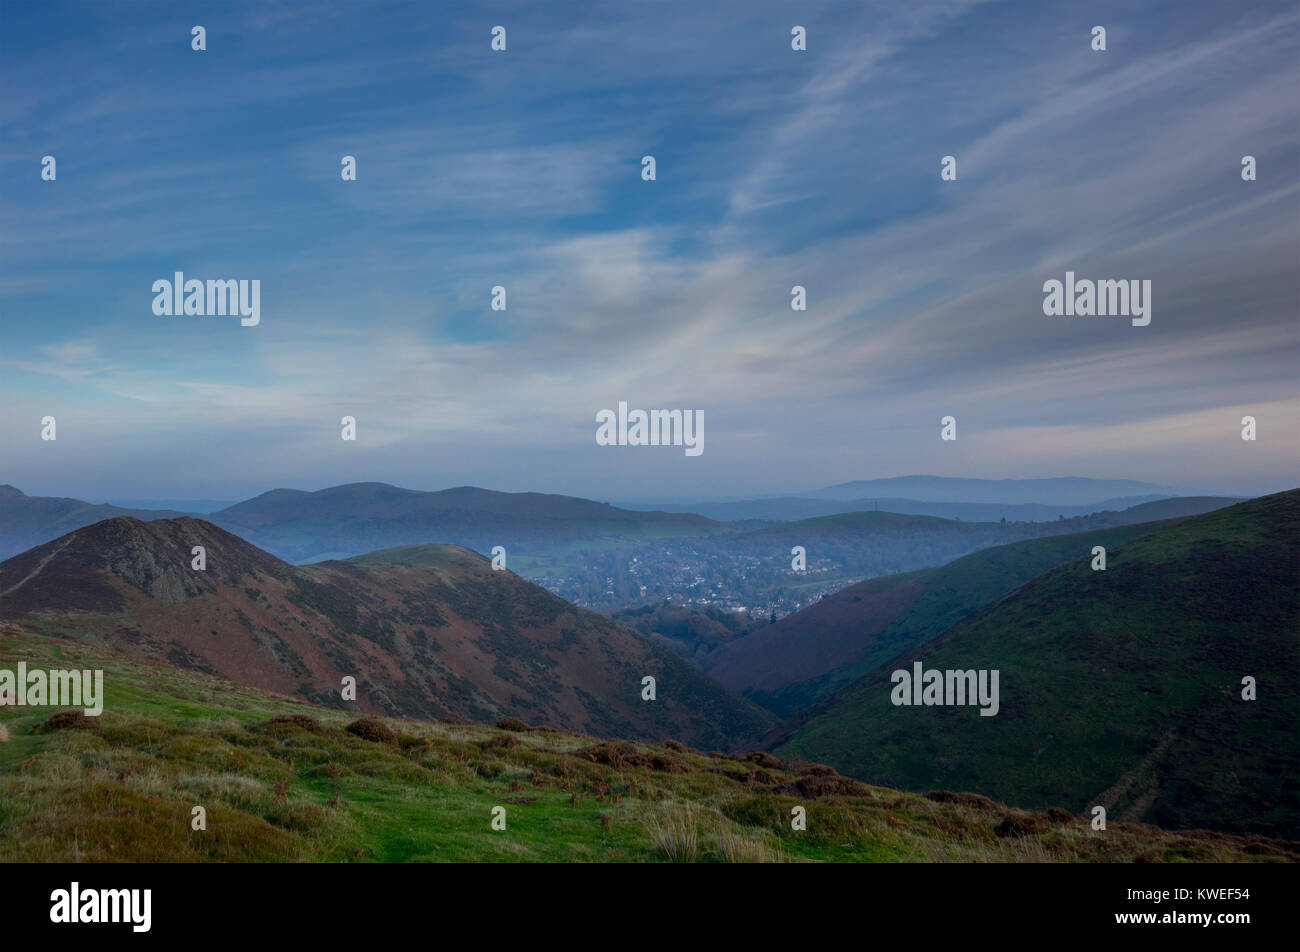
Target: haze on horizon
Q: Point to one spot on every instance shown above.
(522, 169)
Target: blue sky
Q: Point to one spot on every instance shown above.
(522, 169)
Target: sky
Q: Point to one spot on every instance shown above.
(523, 168)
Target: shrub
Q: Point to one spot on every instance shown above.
(965, 799)
(301, 721)
(675, 745)
(620, 754)
(818, 770)
(71, 721)
(821, 787)
(373, 729)
(1022, 824)
(506, 741)
(762, 758)
(512, 724)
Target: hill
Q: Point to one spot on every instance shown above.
(1121, 688)
(808, 654)
(26, 521)
(282, 781)
(873, 543)
(362, 517)
(793, 508)
(1059, 491)
(447, 637)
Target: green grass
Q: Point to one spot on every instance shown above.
(1120, 688)
(950, 593)
(170, 739)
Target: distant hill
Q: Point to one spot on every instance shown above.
(806, 655)
(443, 636)
(885, 543)
(26, 521)
(1120, 688)
(792, 508)
(1061, 491)
(361, 517)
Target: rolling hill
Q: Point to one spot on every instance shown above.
(282, 781)
(808, 654)
(886, 543)
(362, 517)
(26, 521)
(446, 637)
(1058, 491)
(1121, 688)
(794, 508)
(356, 518)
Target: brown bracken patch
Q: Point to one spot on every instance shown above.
(372, 729)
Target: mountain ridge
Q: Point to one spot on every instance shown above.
(1119, 687)
(459, 639)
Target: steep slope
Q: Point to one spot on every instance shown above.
(361, 517)
(1121, 688)
(450, 637)
(810, 653)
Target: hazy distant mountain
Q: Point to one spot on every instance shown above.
(792, 508)
(26, 521)
(445, 635)
(1061, 491)
(1121, 687)
(868, 544)
(188, 506)
(361, 517)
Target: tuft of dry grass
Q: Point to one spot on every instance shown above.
(675, 831)
(732, 846)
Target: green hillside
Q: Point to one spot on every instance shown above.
(808, 655)
(284, 781)
(1120, 688)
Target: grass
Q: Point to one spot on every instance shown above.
(1120, 688)
(283, 781)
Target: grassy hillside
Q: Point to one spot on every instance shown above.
(805, 656)
(1120, 688)
(283, 781)
(438, 634)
